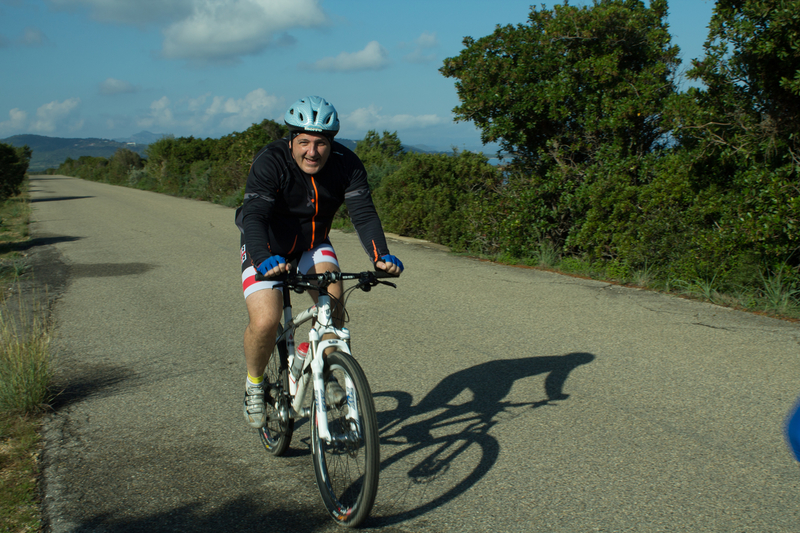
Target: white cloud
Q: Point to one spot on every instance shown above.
(17, 119)
(160, 114)
(33, 37)
(372, 57)
(211, 115)
(223, 30)
(113, 86)
(427, 40)
(423, 46)
(210, 31)
(56, 114)
(197, 103)
(369, 118)
(30, 37)
(240, 114)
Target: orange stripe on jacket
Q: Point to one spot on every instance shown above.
(316, 211)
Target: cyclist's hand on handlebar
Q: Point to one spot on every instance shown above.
(390, 264)
(273, 266)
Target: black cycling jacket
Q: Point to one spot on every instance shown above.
(287, 212)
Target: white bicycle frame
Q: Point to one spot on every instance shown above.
(317, 347)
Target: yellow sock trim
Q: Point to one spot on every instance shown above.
(255, 380)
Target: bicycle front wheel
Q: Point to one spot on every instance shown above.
(277, 433)
(348, 467)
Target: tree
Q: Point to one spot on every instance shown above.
(752, 62)
(374, 148)
(439, 197)
(572, 89)
(120, 165)
(571, 80)
(13, 166)
(241, 147)
(381, 155)
(745, 124)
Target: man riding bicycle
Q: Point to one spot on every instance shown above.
(294, 188)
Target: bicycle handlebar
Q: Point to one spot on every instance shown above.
(324, 279)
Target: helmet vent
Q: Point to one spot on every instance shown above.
(313, 114)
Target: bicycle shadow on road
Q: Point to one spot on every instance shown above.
(436, 450)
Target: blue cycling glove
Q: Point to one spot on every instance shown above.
(393, 260)
(269, 264)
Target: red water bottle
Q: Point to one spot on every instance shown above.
(299, 359)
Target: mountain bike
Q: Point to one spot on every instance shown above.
(345, 446)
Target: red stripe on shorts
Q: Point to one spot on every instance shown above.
(328, 252)
(248, 282)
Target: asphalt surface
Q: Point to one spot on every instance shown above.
(509, 399)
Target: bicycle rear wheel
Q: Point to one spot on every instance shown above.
(277, 433)
(347, 469)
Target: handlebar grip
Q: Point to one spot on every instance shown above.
(382, 274)
(262, 277)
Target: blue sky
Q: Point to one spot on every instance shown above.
(112, 68)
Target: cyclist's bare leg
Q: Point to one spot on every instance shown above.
(335, 290)
(264, 308)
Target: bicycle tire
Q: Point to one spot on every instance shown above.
(276, 435)
(348, 472)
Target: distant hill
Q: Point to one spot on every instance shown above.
(347, 143)
(143, 137)
(50, 152)
(422, 149)
(419, 148)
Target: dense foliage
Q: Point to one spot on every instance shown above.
(381, 155)
(567, 93)
(206, 169)
(612, 163)
(13, 166)
(438, 197)
(743, 131)
(608, 161)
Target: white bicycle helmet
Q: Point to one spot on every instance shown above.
(312, 114)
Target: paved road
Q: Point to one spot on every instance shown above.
(510, 399)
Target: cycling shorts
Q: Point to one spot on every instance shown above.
(322, 253)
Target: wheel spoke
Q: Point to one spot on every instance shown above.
(277, 433)
(347, 468)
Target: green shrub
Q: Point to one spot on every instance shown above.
(13, 166)
(439, 198)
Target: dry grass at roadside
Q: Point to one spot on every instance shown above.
(19, 448)
(25, 368)
(777, 297)
(25, 372)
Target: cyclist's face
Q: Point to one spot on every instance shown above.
(311, 152)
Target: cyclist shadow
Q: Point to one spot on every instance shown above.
(436, 450)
